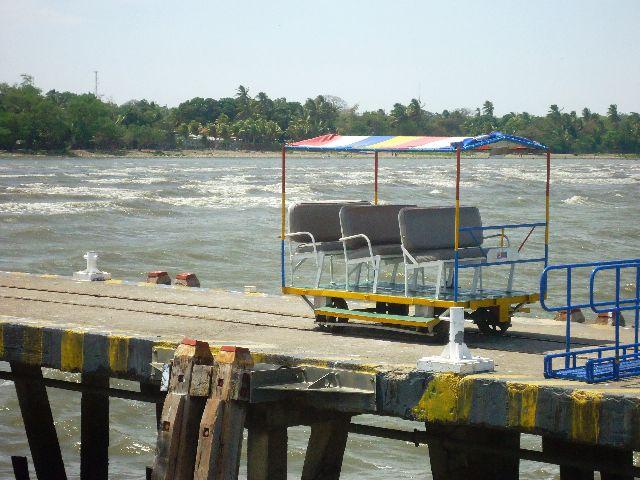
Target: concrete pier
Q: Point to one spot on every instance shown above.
(118, 330)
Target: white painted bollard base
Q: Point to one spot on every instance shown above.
(91, 273)
(456, 356)
(470, 365)
(91, 276)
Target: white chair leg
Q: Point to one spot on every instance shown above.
(449, 276)
(439, 279)
(480, 275)
(376, 273)
(406, 279)
(358, 274)
(346, 275)
(331, 269)
(394, 274)
(510, 282)
(474, 283)
(320, 268)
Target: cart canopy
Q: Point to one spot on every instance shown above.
(492, 141)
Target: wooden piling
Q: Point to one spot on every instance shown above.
(177, 439)
(222, 424)
(94, 430)
(267, 453)
(152, 389)
(38, 421)
(458, 463)
(20, 468)
(579, 452)
(325, 450)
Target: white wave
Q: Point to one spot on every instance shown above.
(576, 200)
(22, 175)
(135, 181)
(79, 191)
(53, 208)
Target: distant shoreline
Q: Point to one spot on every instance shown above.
(211, 153)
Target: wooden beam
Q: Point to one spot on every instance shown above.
(20, 467)
(222, 425)
(181, 413)
(325, 450)
(457, 463)
(38, 421)
(580, 452)
(267, 453)
(94, 430)
(154, 391)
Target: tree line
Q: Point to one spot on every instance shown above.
(31, 120)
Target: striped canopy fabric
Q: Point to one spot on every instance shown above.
(494, 140)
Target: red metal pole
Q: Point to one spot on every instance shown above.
(457, 226)
(546, 227)
(375, 178)
(283, 215)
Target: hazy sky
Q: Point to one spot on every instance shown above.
(522, 54)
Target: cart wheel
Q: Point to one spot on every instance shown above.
(334, 303)
(441, 331)
(488, 323)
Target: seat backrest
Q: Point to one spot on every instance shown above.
(378, 222)
(319, 218)
(431, 228)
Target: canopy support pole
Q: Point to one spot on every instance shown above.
(457, 226)
(283, 215)
(546, 227)
(375, 178)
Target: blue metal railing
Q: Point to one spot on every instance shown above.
(602, 363)
(458, 266)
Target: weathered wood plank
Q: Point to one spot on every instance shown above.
(94, 430)
(325, 450)
(20, 468)
(222, 425)
(181, 414)
(457, 463)
(38, 422)
(267, 453)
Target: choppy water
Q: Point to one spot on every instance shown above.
(204, 215)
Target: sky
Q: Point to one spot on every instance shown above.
(523, 55)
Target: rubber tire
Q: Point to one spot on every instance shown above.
(334, 303)
(487, 320)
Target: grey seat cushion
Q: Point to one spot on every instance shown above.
(378, 222)
(448, 254)
(327, 247)
(385, 250)
(433, 228)
(319, 218)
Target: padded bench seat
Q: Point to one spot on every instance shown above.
(428, 238)
(314, 233)
(374, 226)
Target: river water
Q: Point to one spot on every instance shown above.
(219, 217)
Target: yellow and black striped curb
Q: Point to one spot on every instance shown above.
(599, 416)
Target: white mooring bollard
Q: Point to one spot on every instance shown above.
(91, 274)
(456, 356)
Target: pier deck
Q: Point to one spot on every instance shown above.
(114, 328)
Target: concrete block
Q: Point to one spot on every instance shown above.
(159, 277)
(576, 316)
(609, 318)
(187, 279)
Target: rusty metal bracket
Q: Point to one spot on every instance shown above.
(343, 390)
